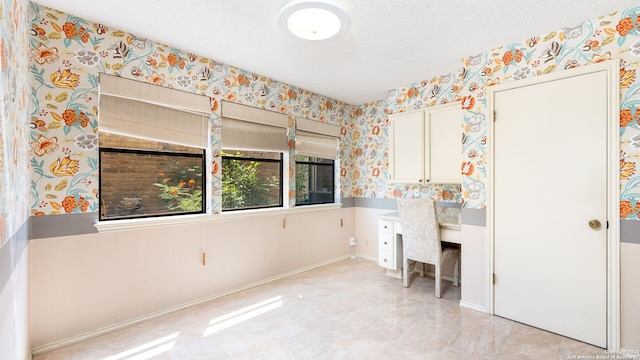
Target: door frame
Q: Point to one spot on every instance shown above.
(611, 68)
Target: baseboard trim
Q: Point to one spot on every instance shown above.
(464, 304)
(92, 334)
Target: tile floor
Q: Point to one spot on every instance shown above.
(345, 310)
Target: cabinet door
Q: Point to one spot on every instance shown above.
(445, 144)
(407, 147)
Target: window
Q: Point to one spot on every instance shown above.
(251, 179)
(152, 150)
(314, 180)
(253, 144)
(316, 151)
(142, 181)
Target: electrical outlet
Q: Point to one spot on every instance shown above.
(352, 241)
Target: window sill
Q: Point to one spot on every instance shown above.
(133, 224)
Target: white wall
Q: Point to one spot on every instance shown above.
(87, 282)
(629, 296)
(14, 312)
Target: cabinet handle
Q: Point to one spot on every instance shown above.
(428, 180)
(385, 243)
(385, 260)
(385, 226)
(420, 180)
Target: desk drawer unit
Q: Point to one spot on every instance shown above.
(388, 249)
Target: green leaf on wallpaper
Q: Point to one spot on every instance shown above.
(608, 40)
(66, 130)
(118, 34)
(54, 35)
(48, 187)
(51, 196)
(93, 80)
(37, 75)
(51, 106)
(62, 97)
(37, 167)
(61, 185)
(93, 163)
(549, 69)
(550, 36)
(621, 40)
(48, 97)
(67, 42)
(96, 41)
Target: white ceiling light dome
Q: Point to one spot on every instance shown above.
(313, 19)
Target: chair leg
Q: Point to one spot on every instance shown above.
(419, 267)
(456, 271)
(405, 273)
(438, 280)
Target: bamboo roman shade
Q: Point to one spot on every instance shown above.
(248, 128)
(317, 139)
(143, 110)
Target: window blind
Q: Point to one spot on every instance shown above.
(317, 139)
(148, 111)
(248, 128)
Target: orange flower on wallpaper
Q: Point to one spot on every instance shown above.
(376, 130)
(467, 168)
(43, 55)
(71, 31)
(507, 57)
(626, 118)
(413, 92)
(626, 210)
(214, 105)
(214, 168)
(627, 169)
(65, 79)
(64, 166)
(625, 25)
(155, 78)
(71, 117)
(375, 172)
(69, 204)
(447, 195)
(468, 102)
(627, 77)
(243, 80)
(45, 145)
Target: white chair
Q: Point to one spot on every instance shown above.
(421, 239)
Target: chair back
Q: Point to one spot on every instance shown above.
(420, 230)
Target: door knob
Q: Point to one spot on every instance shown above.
(594, 224)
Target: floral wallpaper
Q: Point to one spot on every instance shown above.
(14, 90)
(365, 142)
(67, 55)
(615, 35)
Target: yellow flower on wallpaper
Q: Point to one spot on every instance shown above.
(65, 79)
(64, 167)
(627, 169)
(45, 145)
(627, 78)
(44, 54)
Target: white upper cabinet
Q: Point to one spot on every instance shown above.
(426, 146)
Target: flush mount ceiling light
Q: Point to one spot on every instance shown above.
(313, 20)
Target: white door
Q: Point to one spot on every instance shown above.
(549, 182)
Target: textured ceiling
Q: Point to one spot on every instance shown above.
(391, 43)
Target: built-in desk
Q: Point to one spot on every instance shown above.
(390, 240)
